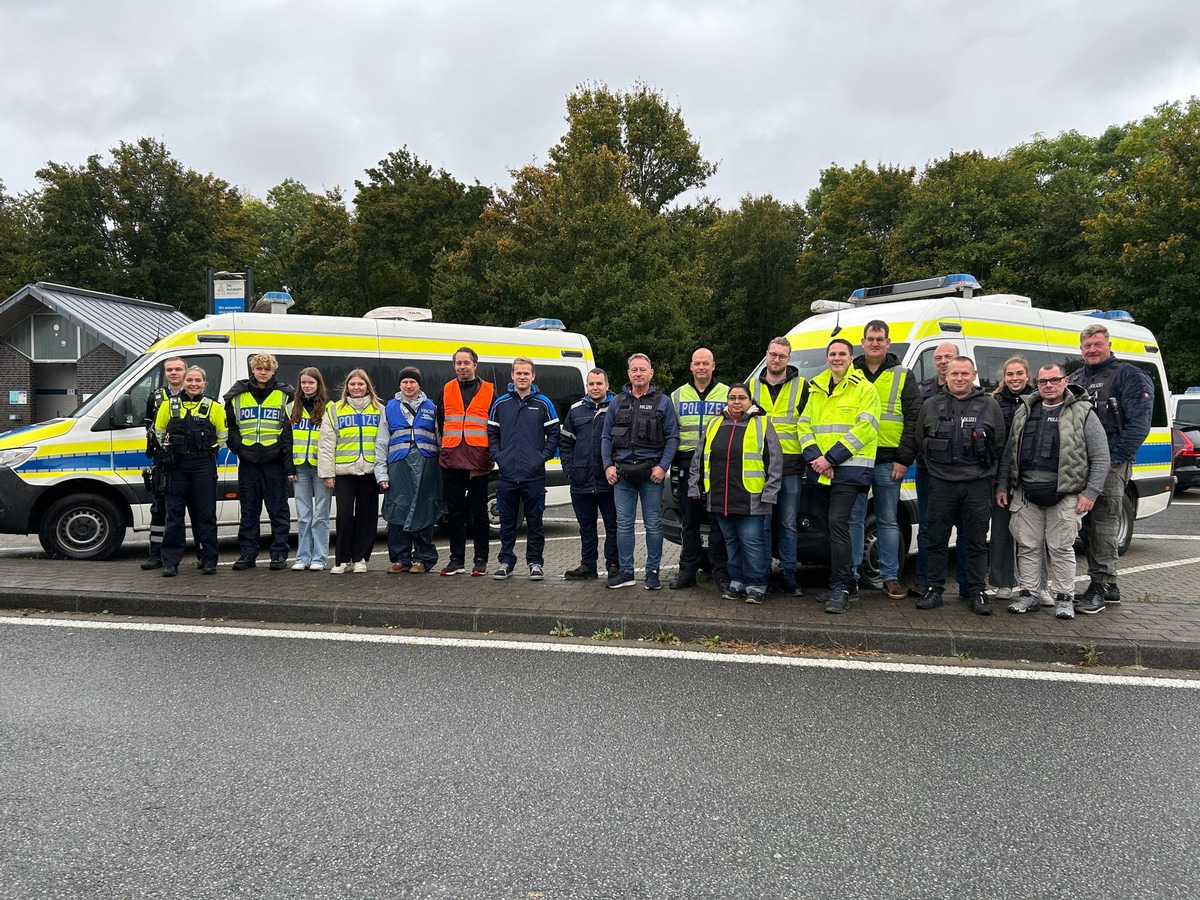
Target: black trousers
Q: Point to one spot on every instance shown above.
(158, 523)
(262, 484)
(193, 490)
(466, 511)
(969, 504)
(692, 515)
(838, 500)
(357, 499)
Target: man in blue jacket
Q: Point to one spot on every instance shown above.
(579, 451)
(523, 434)
(641, 435)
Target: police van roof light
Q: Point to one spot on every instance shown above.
(1112, 315)
(544, 324)
(963, 285)
(277, 302)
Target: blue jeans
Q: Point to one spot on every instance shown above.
(626, 495)
(408, 547)
(887, 499)
(749, 552)
(312, 515)
(787, 511)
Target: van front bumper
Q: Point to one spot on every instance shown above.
(16, 502)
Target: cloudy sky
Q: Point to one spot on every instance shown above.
(256, 91)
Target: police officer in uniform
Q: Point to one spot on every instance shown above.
(191, 427)
(960, 434)
(696, 404)
(1123, 397)
(173, 370)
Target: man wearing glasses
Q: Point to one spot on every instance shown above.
(960, 435)
(781, 393)
(900, 402)
(1053, 469)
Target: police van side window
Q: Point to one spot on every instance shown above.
(384, 374)
(990, 360)
(153, 380)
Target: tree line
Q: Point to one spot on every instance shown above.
(598, 235)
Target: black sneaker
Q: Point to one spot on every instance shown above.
(503, 571)
(620, 580)
(1092, 600)
(1112, 594)
(731, 593)
(209, 569)
(453, 567)
(791, 588)
(170, 571)
(278, 562)
(981, 605)
(838, 602)
(681, 581)
(931, 600)
(244, 562)
(154, 562)
(612, 569)
(536, 573)
(652, 582)
(580, 573)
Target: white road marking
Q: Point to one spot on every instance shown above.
(604, 650)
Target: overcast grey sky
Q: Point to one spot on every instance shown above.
(257, 91)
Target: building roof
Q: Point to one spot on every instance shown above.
(127, 325)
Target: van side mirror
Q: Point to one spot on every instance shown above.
(121, 414)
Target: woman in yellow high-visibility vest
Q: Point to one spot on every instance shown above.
(312, 496)
(346, 460)
(739, 469)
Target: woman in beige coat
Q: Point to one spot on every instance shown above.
(346, 460)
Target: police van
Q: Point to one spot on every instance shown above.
(77, 481)
(989, 328)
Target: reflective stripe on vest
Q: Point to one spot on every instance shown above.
(694, 414)
(468, 424)
(782, 412)
(890, 385)
(404, 434)
(754, 471)
(304, 439)
(260, 423)
(356, 432)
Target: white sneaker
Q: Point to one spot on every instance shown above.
(299, 566)
(316, 567)
(360, 566)
(1047, 599)
(339, 569)
(1004, 593)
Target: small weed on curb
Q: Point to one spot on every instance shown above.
(606, 634)
(561, 630)
(662, 636)
(1090, 656)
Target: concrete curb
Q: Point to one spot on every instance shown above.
(945, 642)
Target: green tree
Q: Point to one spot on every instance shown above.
(17, 240)
(661, 159)
(406, 216)
(141, 225)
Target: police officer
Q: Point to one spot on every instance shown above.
(173, 370)
(960, 434)
(638, 444)
(1123, 397)
(191, 427)
(260, 435)
(696, 404)
(579, 452)
(781, 393)
(1054, 468)
(900, 403)
(838, 432)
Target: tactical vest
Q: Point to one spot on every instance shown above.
(356, 433)
(782, 411)
(754, 471)
(890, 385)
(1071, 458)
(1040, 439)
(960, 440)
(305, 434)
(194, 433)
(405, 434)
(1099, 388)
(260, 423)
(636, 425)
(695, 414)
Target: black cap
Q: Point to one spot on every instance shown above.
(410, 372)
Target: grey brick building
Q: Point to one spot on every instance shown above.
(59, 345)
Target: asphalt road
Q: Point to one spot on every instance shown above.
(192, 763)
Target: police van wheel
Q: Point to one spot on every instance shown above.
(1125, 529)
(84, 526)
(869, 570)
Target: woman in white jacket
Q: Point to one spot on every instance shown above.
(346, 461)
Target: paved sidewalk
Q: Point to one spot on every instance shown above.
(1149, 629)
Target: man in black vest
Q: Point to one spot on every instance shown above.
(960, 435)
(1123, 398)
(173, 371)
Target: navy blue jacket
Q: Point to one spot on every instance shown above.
(579, 448)
(1134, 392)
(522, 434)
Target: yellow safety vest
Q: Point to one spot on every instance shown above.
(782, 412)
(304, 438)
(890, 385)
(754, 470)
(260, 424)
(845, 413)
(356, 433)
(694, 414)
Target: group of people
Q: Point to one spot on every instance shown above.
(1040, 458)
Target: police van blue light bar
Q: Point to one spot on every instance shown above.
(544, 324)
(964, 285)
(1112, 315)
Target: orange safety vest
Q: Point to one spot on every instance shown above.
(470, 423)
